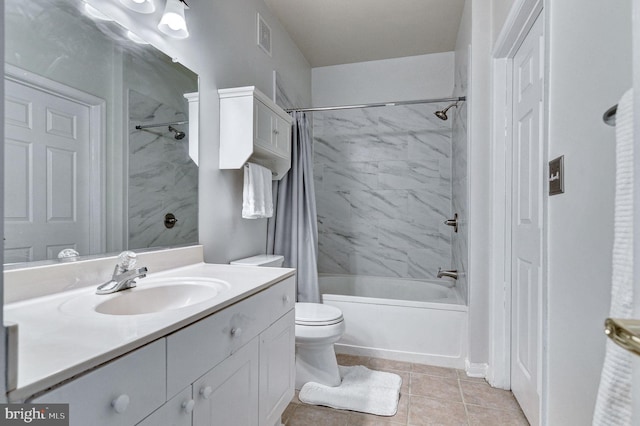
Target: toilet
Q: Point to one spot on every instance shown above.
(317, 328)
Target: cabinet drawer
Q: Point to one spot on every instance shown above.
(122, 392)
(193, 351)
(176, 412)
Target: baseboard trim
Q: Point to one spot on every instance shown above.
(476, 369)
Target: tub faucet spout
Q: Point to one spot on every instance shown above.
(450, 273)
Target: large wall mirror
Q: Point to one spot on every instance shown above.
(96, 137)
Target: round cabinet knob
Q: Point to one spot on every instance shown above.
(236, 331)
(286, 299)
(275, 132)
(121, 403)
(206, 392)
(187, 406)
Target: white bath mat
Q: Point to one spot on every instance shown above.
(363, 390)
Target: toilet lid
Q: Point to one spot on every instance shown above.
(317, 314)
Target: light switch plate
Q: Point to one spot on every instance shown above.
(556, 176)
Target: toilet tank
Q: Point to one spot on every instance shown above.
(274, 260)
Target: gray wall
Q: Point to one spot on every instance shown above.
(383, 175)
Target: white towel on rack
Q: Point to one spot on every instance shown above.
(613, 405)
(257, 196)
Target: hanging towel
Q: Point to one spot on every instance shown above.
(257, 198)
(613, 405)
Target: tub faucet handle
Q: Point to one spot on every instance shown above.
(453, 222)
(450, 273)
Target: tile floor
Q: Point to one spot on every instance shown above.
(429, 396)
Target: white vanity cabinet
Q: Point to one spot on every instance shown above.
(234, 367)
(122, 392)
(240, 362)
(253, 128)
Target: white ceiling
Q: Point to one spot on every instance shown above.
(331, 32)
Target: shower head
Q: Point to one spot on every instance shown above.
(442, 114)
(178, 134)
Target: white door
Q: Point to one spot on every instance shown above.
(527, 223)
(47, 174)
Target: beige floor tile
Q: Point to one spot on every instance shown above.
(406, 380)
(462, 375)
(348, 360)
(481, 416)
(434, 371)
(389, 365)
(484, 395)
(307, 415)
(401, 416)
(435, 387)
(288, 412)
(428, 411)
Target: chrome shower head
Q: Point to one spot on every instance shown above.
(178, 134)
(442, 114)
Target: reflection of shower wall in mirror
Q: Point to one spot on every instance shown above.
(162, 177)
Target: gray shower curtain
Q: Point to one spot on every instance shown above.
(293, 230)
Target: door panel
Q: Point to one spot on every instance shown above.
(47, 140)
(527, 223)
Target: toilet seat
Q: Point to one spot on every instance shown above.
(317, 314)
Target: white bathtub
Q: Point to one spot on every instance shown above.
(402, 319)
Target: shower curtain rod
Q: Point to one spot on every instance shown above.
(381, 104)
(148, 126)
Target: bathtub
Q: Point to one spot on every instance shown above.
(401, 319)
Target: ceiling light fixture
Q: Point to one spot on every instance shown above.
(140, 6)
(173, 22)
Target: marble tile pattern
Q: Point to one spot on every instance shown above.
(429, 396)
(162, 177)
(383, 190)
(460, 183)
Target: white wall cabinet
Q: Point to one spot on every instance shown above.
(235, 367)
(253, 128)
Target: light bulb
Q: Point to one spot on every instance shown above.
(173, 22)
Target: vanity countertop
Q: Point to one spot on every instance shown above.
(55, 345)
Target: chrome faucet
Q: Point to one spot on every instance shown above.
(451, 273)
(124, 276)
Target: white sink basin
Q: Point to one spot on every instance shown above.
(151, 296)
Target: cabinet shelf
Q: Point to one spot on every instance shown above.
(253, 128)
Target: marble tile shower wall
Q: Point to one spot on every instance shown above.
(162, 177)
(459, 200)
(383, 191)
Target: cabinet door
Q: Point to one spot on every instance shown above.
(277, 369)
(282, 136)
(228, 394)
(176, 411)
(264, 126)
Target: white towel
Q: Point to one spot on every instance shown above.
(613, 405)
(257, 197)
(363, 390)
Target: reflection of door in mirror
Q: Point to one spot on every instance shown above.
(48, 138)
